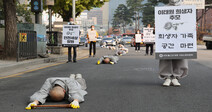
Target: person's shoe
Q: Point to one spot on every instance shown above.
(151, 54)
(136, 51)
(175, 82)
(78, 76)
(167, 82)
(75, 61)
(72, 76)
(68, 61)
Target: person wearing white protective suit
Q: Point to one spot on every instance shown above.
(171, 70)
(121, 50)
(59, 88)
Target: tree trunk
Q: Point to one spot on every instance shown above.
(10, 44)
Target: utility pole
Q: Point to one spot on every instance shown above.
(50, 18)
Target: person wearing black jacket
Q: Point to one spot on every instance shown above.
(71, 22)
(149, 45)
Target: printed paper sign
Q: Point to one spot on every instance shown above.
(70, 35)
(148, 37)
(138, 38)
(175, 31)
(92, 35)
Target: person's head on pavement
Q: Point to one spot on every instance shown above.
(119, 53)
(57, 93)
(107, 60)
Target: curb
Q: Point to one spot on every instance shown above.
(33, 62)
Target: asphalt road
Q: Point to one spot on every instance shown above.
(132, 85)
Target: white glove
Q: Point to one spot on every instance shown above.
(31, 104)
(75, 104)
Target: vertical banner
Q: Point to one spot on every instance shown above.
(175, 31)
(200, 4)
(148, 37)
(70, 35)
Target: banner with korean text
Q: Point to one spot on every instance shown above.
(70, 35)
(148, 36)
(175, 32)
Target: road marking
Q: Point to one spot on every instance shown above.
(18, 74)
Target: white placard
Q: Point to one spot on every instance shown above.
(92, 35)
(70, 35)
(200, 4)
(138, 38)
(148, 37)
(175, 31)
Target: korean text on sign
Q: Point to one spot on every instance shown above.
(70, 35)
(148, 37)
(175, 31)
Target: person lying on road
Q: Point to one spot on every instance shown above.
(108, 60)
(121, 50)
(59, 88)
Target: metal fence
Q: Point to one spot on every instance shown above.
(54, 38)
(27, 45)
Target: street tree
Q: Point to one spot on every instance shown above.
(135, 7)
(122, 17)
(148, 14)
(10, 44)
(64, 7)
(23, 13)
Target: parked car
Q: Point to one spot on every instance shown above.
(117, 39)
(83, 41)
(208, 40)
(126, 40)
(108, 41)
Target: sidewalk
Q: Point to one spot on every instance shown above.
(6, 66)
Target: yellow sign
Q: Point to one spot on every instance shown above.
(22, 37)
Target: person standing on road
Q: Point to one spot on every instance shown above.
(71, 22)
(149, 45)
(58, 88)
(92, 36)
(172, 70)
(138, 40)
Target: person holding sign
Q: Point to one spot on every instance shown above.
(149, 44)
(92, 36)
(71, 22)
(138, 40)
(171, 70)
